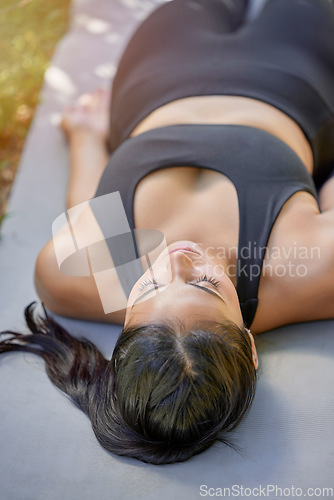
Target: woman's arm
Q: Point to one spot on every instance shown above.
(72, 296)
(308, 296)
(86, 126)
(88, 158)
(325, 241)
(78, 296)
(326, 195)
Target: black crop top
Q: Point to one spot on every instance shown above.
(263, 169)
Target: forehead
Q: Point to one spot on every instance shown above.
(180, 302)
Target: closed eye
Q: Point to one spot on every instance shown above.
(205, 289)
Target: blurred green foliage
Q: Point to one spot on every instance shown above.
(29, 32)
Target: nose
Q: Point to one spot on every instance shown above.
(181, 265)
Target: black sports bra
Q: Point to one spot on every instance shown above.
(292, 70)
(264, 170)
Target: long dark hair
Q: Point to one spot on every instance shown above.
(165, 395)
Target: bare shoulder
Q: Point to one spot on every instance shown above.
(77, 296)
(297, 282)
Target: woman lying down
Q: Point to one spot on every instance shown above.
(220, 138)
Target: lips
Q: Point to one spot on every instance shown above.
(184, 249)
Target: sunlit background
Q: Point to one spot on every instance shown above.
(29, 32)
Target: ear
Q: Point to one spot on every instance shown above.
(255, 358)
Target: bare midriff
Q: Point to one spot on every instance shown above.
(231, 110)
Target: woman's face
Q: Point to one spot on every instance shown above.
(184, 283)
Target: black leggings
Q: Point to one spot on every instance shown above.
(285, 57)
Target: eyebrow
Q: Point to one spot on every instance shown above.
(207, 290)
